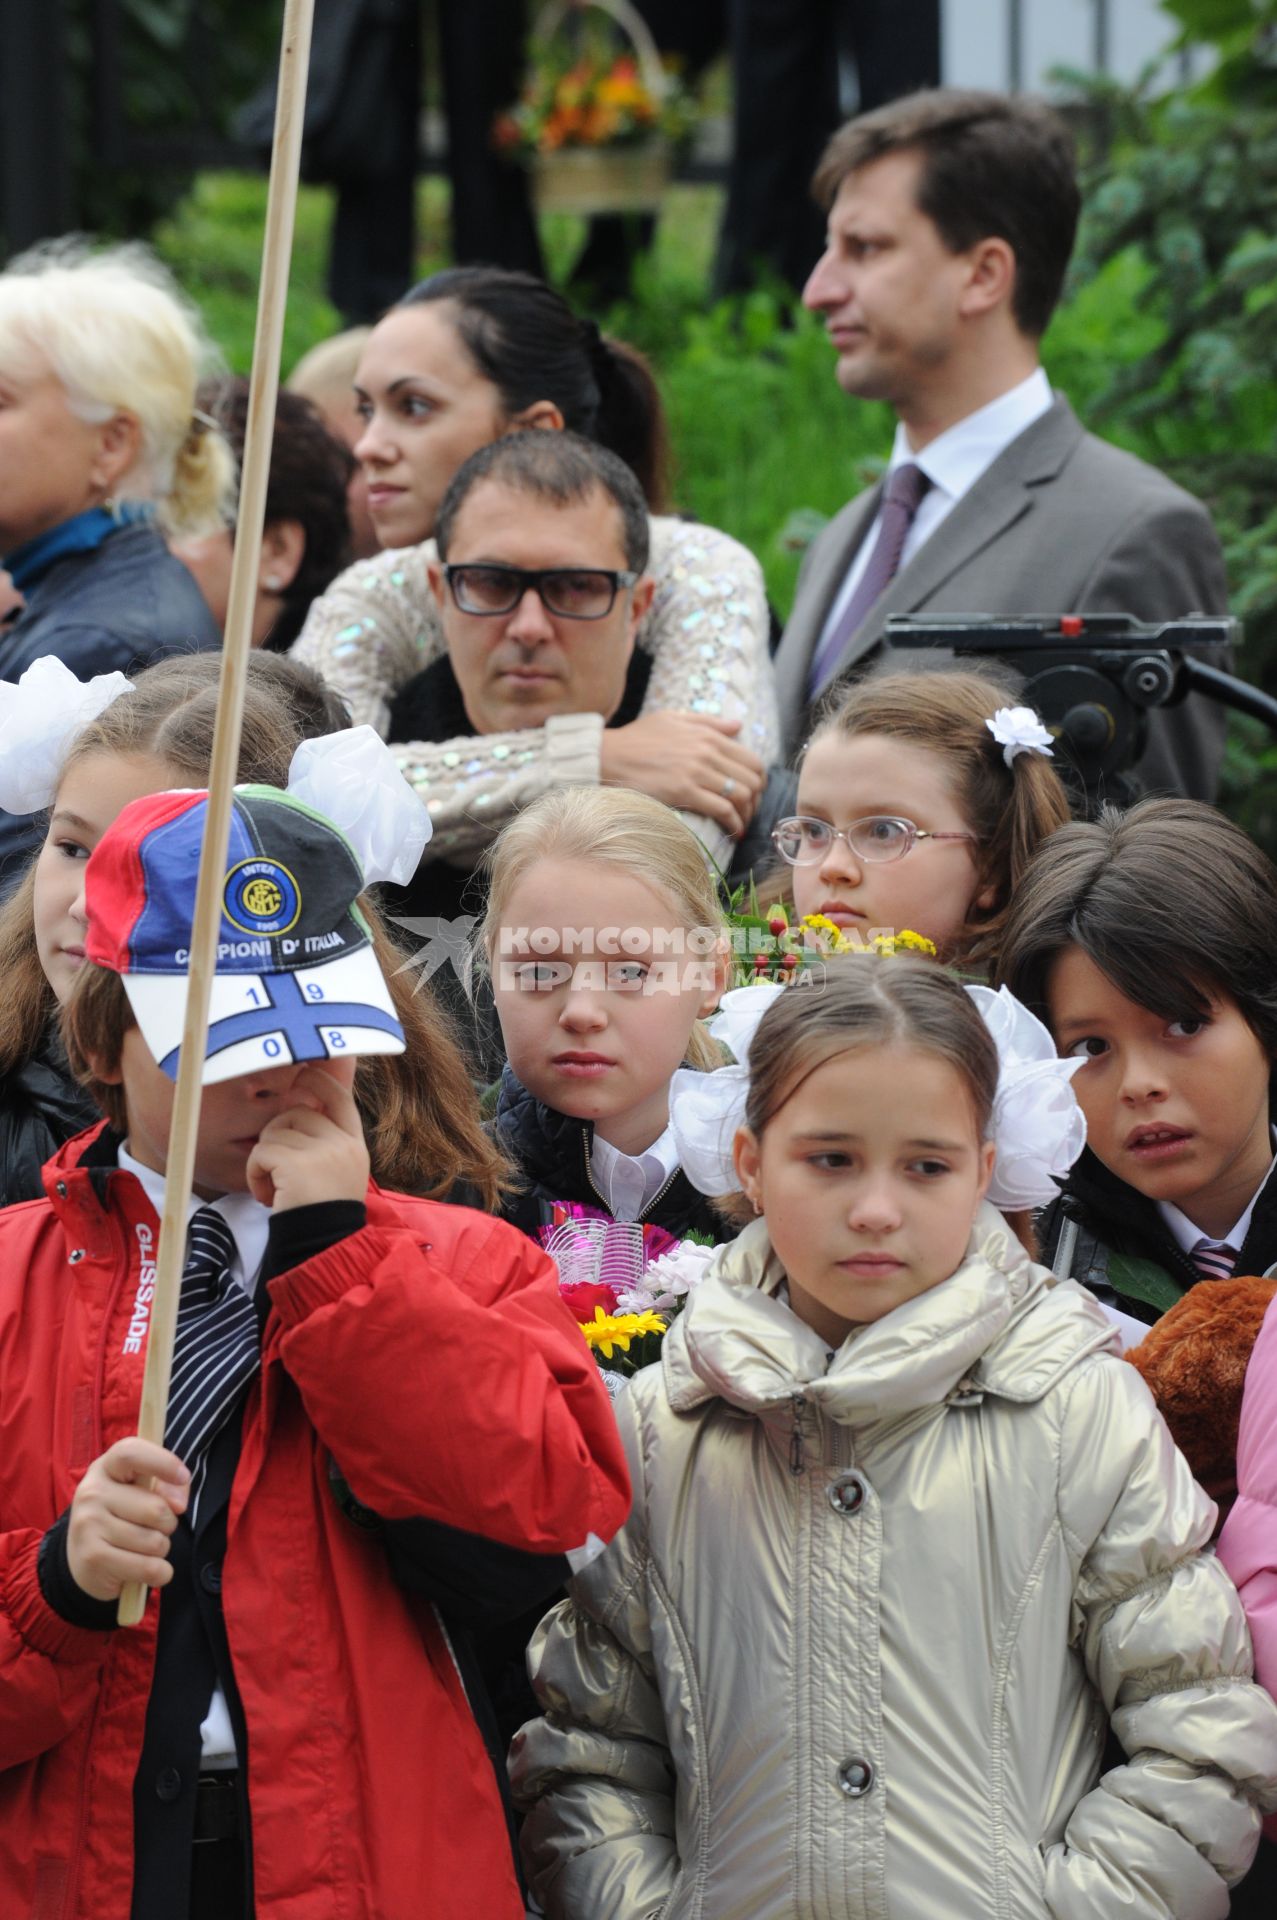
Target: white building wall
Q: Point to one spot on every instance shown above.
(979, 39)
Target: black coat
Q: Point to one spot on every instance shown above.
(41, 1106)
(552, 1152)
(1112, 1219)
(115, 609)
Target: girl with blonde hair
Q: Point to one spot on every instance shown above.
(606, 947)
(102, 454)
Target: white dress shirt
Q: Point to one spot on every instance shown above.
(249, 1222)
(952, 462)
(630, 1182)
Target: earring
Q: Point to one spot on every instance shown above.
(273, 583)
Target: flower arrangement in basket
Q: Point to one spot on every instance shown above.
(595, 124)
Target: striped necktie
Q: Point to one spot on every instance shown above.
(1214, 1259)
(217, 1348)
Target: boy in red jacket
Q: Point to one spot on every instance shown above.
(287, 1733)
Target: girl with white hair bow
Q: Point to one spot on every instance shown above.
(909, 1539)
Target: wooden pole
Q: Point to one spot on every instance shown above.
(281, 207)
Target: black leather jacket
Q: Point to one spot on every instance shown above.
(1098, 1216)
(40, 1107)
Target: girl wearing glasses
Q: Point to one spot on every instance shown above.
(921, 797)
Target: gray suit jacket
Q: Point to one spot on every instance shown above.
(1060, 523)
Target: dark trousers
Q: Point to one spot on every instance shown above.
(785, 68)
(217, 1881)
(482, 54)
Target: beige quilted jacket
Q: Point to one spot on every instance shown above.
(855, 1655)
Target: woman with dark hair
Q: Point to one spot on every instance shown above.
(306, 537)
(468, 356)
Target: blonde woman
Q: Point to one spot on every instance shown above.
(102, 455)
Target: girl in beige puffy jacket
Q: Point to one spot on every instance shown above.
(909, 1540)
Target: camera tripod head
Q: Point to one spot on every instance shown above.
(1095, 677)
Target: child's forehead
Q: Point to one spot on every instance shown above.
(877, 767)
(1081, 985)
(576, 893)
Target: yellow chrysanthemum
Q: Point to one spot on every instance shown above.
(609, 1330)
(829, 930)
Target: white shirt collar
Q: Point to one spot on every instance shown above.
(629, 1182)
(1186, 1235)
(248, 1220)
(956, 458)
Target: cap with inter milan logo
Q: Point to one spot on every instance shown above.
(296, 975)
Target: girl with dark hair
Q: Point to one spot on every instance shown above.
(949, 1532)
(470, 355)
(1145, 940)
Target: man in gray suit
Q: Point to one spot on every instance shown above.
(951, 220)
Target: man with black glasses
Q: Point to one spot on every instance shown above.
(541, 585)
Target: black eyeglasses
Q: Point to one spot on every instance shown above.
(574, 593)
(802, 840)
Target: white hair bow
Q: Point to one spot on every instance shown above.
(40, 716)
(1019, 730)
(352, 779)
(1037, 1126)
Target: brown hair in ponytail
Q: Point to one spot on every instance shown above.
(1010, 810)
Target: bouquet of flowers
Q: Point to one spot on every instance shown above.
(589, 97)
(768, 946)
(625, 1282)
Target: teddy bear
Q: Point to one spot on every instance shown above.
(1194, 1362)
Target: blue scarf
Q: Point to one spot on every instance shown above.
(83, 533)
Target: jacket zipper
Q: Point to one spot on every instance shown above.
(75, 1861)
(797, 1457)
(656, 1198)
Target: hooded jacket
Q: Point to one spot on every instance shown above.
(429, 1354)
(552, 1152)
(856, 1654)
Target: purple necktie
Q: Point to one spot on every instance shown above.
(900, 501)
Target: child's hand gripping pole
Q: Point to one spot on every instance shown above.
(281, 206)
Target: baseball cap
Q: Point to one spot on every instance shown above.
(296, 976)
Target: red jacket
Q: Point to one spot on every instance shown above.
(430, 1356)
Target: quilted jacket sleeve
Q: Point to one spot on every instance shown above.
(595, 1774)
(1164, 1639)
(488, 1413)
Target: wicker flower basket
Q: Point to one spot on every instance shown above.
(606, 179)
